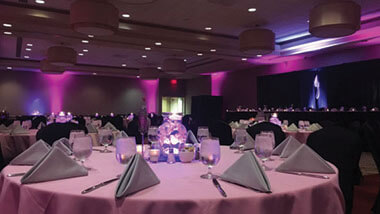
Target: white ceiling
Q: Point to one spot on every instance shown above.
(178, 24)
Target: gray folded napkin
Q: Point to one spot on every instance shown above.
(247, 172)
(41, 125)
(278, 150)
(54, 165)
(191, 138)
(250, 143)
(291, 146)
(123, 134)
(314, 127)
(4, 129)
(110, 126)
(305, 160)
(32, 154)
(292, 128)
(62, 146)
(137, 176)
(19, 130)
(91, 128)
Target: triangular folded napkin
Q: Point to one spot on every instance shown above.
(123, 134)
(278, 150)
(137, 176)
(191, 138)
(19, 130)
(63, 146)
(305, 160)
(54, 165)
(292, 128)
(32, 155)
(4, 129)
(250, 143)
(41, 125)
(247, 172)
(91, 128)
(110, 126)
(291, 145)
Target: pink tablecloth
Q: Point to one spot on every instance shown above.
(12, 145)
(181, 191)
(300, 135)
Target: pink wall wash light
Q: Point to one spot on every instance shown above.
(150, 89)
(56, 85)
(217, 80)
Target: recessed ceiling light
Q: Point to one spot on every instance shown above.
(9, 68)
(208, 28)
(85, 50)
(148, 49)
(125, 15)
(29, 45)
(199, 54)
(259, 55)
(80, 54)
(7, 25)
(94, 73)
(143, 56)
(90, 36)
(138, 76)
(213, 50)
(252, 9)
(158, 43)
(244, 59)
(185, 60)
(28, 49)
(159, 68)
(308, 21)
(124, 65)
(26, 57)
(7, 33)
(40, 1)
(85, 41)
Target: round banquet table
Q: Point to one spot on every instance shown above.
(13, 145)
(181, 191)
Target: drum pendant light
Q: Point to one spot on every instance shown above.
(61, 56)
(334, 19)
(174, 66)
(258, 41)
(48, 68)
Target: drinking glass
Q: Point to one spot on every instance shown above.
(263, 147)
(240, 139)
(125, 149)
(75, 134)
(202, 133)
(106, 139)
(301, 124)
(152, 134)
(210, 155)
(82, 148)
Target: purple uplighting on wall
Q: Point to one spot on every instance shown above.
(217, 80)
(150, 89)
(56, 84)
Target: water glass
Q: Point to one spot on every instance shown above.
(106, 139)
(82, 148)
(210, 155)
(301, 124)
(263, 147)
(240, 139)
(75, 134)
(202, 133)
(152, 134)
(125, 149)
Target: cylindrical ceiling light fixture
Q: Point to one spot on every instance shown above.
(257, 41)
(61, 56)
(94, 17)
(48, 68)
(174, 66)
(149, 73)
(334, 19)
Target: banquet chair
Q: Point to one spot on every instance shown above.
(371, 132)
(279, 135)
(186, 121)
(133, 130)
(221, 130)
(36, 121)
(117, 121)
(55, 131)
(340, 147)
(326, 123)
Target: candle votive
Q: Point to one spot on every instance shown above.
(154, 154)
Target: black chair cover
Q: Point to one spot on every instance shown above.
(221, 130)
(279, 135)
(55, 131)
(36, 121)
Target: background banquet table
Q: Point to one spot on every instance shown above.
(299, 135)
(181, 191)
(12, 145)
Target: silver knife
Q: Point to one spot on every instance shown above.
(217, 185)
(15, 174)
(100, 185)
(308, 175)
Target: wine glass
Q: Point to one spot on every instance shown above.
(301, 124)
(263, 147)
(106, 139)
(240, 139)
(152, 134)
(125, 149)
(82, 148)
(75, 134)
(202, 133)
(210, 155)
